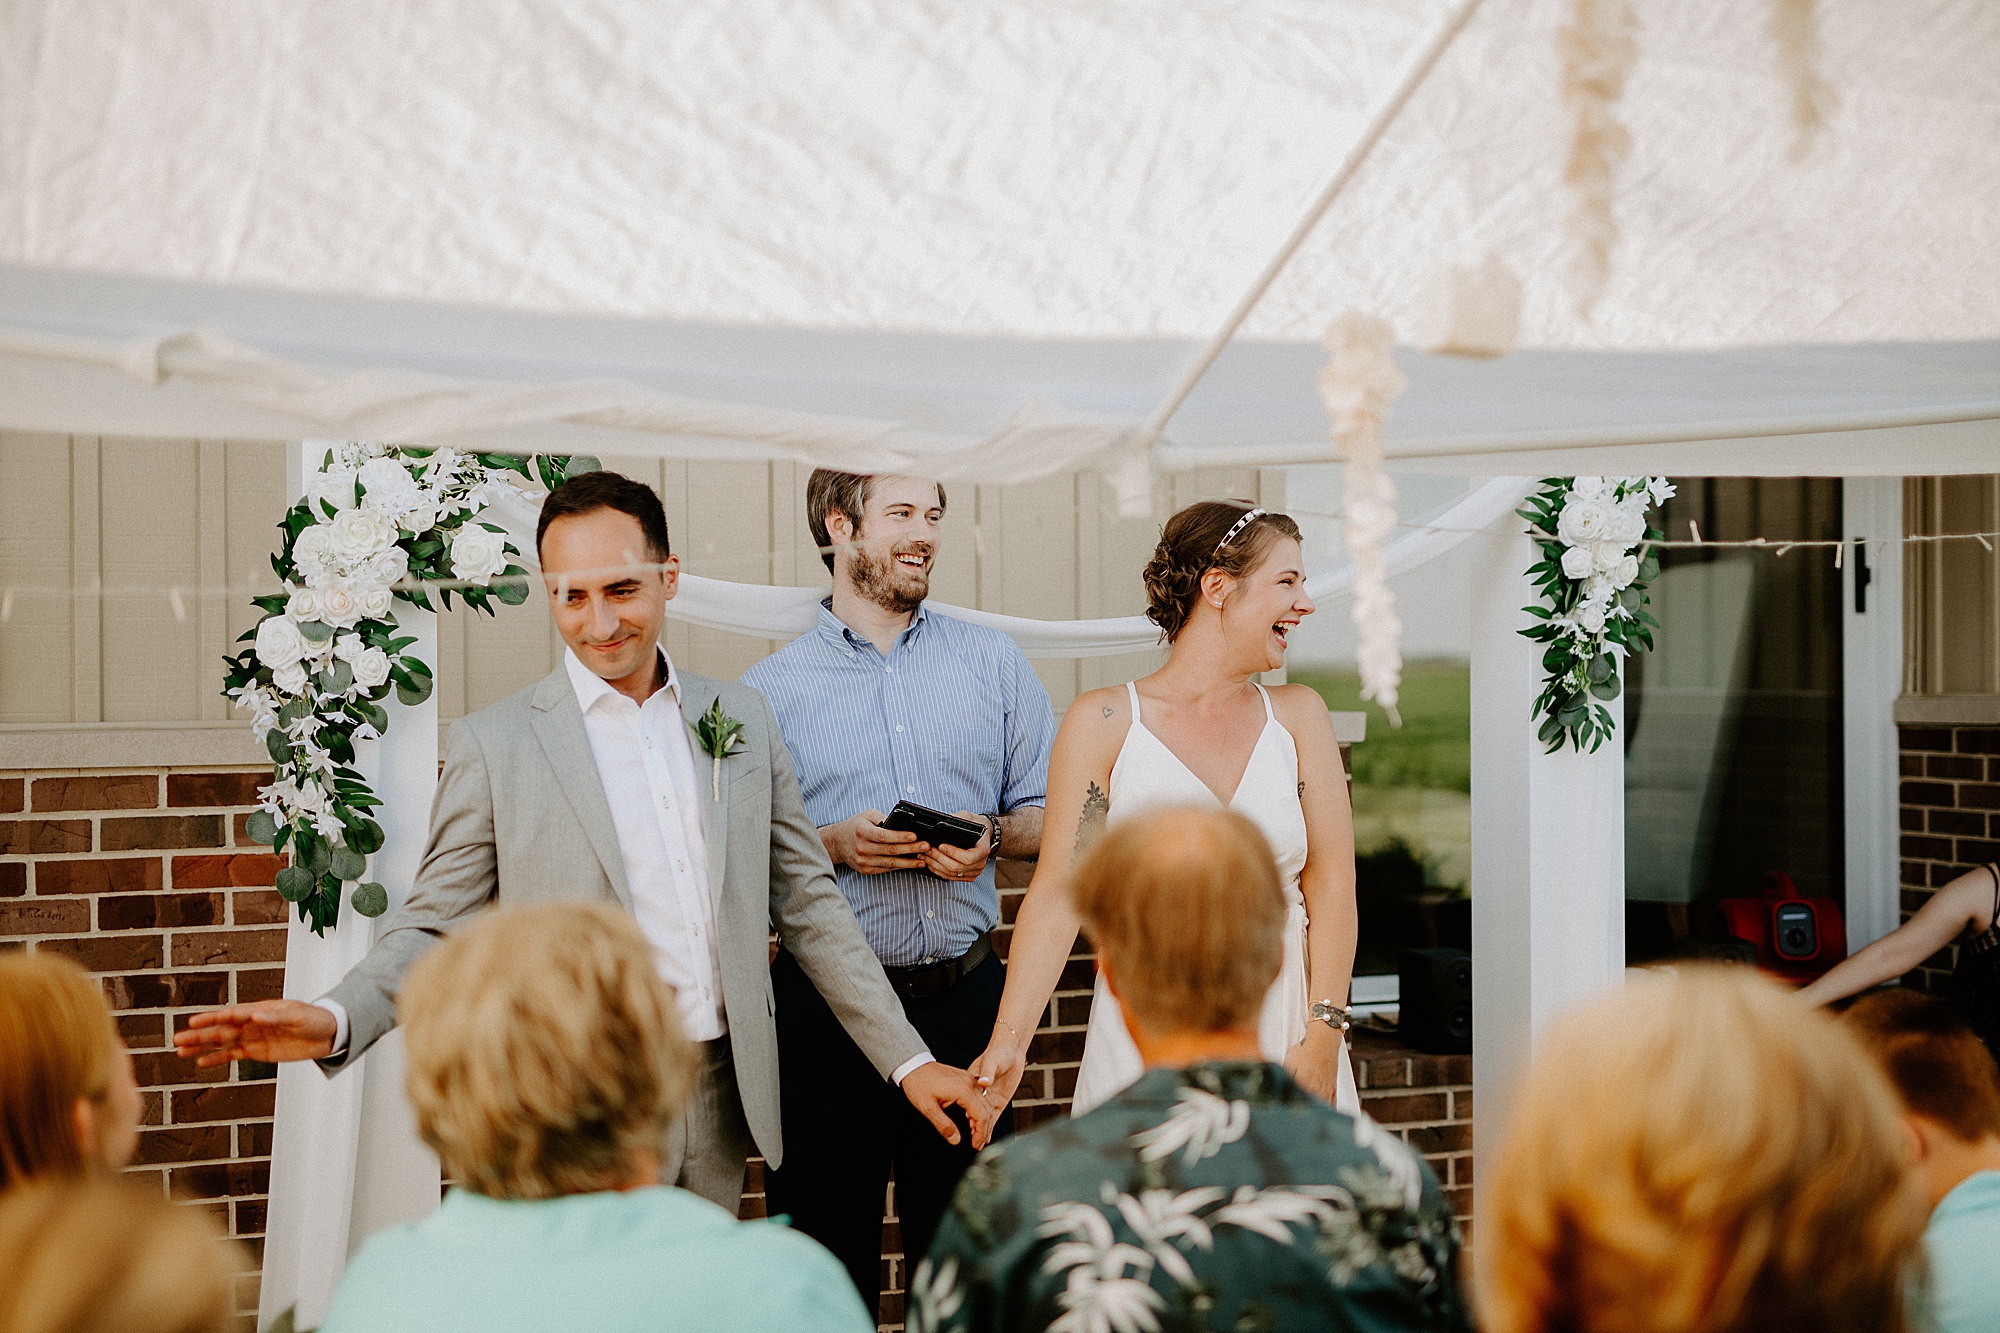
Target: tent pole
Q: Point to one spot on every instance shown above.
(1414, 73)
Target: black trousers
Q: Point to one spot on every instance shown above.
(846, 1126)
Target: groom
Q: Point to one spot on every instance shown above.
(592, 785)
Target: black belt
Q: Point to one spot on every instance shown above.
(927, 979)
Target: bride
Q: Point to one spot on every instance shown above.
(1226, 585)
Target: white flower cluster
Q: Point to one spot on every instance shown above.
(1602, 521)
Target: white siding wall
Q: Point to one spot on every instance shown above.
(136, 518)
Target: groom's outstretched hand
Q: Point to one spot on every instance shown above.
(933, 1087)
(272, 1031)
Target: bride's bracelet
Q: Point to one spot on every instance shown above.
(1009, 1026)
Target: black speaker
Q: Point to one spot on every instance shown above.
(1436, 1000)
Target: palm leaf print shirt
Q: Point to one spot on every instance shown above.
(1222, 1196)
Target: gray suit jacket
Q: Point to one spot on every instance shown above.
(520, 817)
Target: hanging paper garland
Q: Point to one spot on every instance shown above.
(1594, 575)
(376, 524)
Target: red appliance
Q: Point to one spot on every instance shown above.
(1796, 937)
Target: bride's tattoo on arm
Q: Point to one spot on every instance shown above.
(1302, 791)
(1096, 807)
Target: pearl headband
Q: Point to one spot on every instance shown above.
(1251, 517)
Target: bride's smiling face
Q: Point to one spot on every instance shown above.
(1262, 606)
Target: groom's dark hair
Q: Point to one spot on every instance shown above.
(593, 491)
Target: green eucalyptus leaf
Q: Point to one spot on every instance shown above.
(416, 692)
(347, 863)
(365, 836)
(341, 674)
(295, 882)
(370, 899)
(278, 747)
(578, 464)
(261, 827)
(316, 630)
(1605, 689)
(314, 854)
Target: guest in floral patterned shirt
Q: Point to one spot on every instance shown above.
(1215, 1193)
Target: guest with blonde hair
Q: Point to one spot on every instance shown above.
(1694, 1154)
(1217, 1191)
(105, 1256)
(548, 1069)
(68, 1102)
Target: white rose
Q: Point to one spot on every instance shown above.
(291, 679)
(1583, 522)
(1597, 588)
(1577, 562)
(1604, 556)
(313, 553)
(477, 553)
(348, 647)
(1626, 571)
(1589, 488)
(388, 567)
(279, 643)
(371, 668)
(359, 535)
(387, 486)
(419, 518)
(1590, 615)
(1628, 520)
(309, 797)
(302, 605)
(339, 605)
(375, 603)
(335, 486)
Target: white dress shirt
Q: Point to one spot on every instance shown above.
(646, 767)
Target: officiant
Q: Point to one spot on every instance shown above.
(614, 779)
(888, 700)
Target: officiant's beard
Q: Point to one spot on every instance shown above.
(895, 588)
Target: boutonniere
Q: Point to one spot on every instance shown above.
(719, 734)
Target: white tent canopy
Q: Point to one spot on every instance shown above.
(981, 239)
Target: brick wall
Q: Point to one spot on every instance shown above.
(1950, 818)
(146, 878)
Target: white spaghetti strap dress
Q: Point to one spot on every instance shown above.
(1148, 775)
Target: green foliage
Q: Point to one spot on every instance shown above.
(1433, 747)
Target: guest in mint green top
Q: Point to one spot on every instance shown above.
(1950, 1090)
(548, 1070)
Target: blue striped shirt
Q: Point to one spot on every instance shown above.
(953, 718)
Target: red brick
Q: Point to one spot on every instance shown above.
(1928, 849)
(227, 871)
(1077, 975)
(1925, 738)
(1055, 1048)
(253, 1140)
(184, 1143)
(166, 1069)
(1953, 767)
(1979, 853)
(262, 983)
(1461, 1106)
(13, 796)
(1398, 1108)
(231, 1101)
(1073, 1011)
(110, 953)
(1437, 1071)
(123, 791)
(1461, 1202)
(123, 874)
(207, 948)
(172, 910)
(1442, 1138)
(222, 1179)
(1383, 1072)
(1027, 1117)
(250, 1215)
(142, 1032)
(1910, 765)
(1926, 793)
(1964, 823)
(168, 990)
(239, 831)
(44, 916)
(152, 1108)
(13, 879)
(1062, 1084)
(1979, 740)
(1979, 796)
(215, 788)
(164, 831)
(1461, 1168)
(1910, 820)
(258, 907)
(41, 837)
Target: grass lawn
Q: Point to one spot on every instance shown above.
(1413, 783)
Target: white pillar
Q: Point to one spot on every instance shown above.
(1548, 846)
(345, 1158)
(1871, 660)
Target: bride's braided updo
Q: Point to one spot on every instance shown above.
(1193, 542)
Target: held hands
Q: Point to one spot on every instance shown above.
(862, 843)
(948, 862)
(273, 1031)
(1000, 1066)
(933, 1087)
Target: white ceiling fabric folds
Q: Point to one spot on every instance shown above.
(978, 238)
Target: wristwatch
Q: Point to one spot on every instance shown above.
(1339, 1017)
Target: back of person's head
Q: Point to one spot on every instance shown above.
(58, 1048)
(104, 1256)
(1695, 1153)
(1185, 908)
(588, 492)
(1939, 1067)
(544, 1051)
